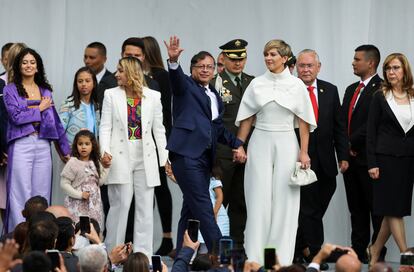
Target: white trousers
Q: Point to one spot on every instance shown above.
(120, 197)
(272, 205)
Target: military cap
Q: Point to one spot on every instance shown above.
(235, 49)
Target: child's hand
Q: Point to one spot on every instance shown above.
(106, 160)
(85, 195)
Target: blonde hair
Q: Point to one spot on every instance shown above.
(11, 56)
(407, 81)
(134, 74)
(281, 46)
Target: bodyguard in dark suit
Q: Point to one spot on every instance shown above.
(231, 84)
(197, 127)
(354, 111)
(327, 138)
(95, 58)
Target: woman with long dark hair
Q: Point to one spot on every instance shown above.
(154, 64)
(33, 123)
(81, 110)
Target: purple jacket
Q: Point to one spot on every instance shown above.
(21, 118)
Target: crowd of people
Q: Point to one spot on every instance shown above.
(232, 143)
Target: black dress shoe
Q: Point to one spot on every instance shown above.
(166, 247)
(383, 252)
(299, 260)
(324, 266)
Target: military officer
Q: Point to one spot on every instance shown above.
(231, 84)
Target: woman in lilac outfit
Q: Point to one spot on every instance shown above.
(33, 123)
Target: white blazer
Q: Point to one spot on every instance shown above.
(113, 135)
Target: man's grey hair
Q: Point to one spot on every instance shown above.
(306, 51)
(92, 258)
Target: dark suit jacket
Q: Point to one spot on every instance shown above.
(193, 130)
(161, 77)
(385, 134)
(330, 134)
(108, 81)
(357, 139)
(231, 108)
(3, 120)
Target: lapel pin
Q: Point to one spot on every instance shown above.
(373, 85)
(321, 90)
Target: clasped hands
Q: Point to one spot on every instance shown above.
(239, 155)
(106, 160)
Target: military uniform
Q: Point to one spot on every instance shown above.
(233, 173)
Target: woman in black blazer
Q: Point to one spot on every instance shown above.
(390, 152)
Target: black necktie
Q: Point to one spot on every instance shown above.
(238, 85)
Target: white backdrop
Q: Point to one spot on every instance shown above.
(60, 29)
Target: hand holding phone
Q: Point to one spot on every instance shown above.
(269, 257)
(84, 225)
(156, 263)
(225, 249)
(54, 257)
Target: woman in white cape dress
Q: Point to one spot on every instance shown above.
(275, 103)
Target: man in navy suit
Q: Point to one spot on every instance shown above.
(328, 138)
(197, 127)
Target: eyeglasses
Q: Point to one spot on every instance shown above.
(204, 67)
(392, 68)
(304, 65)
(220, 64)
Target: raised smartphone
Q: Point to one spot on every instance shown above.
(192, 228)
(269, 257)
(156, 263)
(225, 249)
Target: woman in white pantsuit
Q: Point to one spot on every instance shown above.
(275, 103)
(131, 114)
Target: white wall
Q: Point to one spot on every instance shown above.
(60, 29)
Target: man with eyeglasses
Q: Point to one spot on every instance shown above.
(197, 127)
(231, 84)
(329, 137)
(358, 184)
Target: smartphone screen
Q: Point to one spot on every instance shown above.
(54, 258)
(156, 263)
(407, 259)
(192, 228)
(84, 224)
(269, 257)
(225, 249)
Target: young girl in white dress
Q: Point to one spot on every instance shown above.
(81, 178)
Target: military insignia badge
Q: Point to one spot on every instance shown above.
(226, 96)
(237, 43)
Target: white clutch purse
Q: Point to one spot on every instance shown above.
(302, 177)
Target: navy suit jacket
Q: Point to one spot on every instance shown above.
(193, 130)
